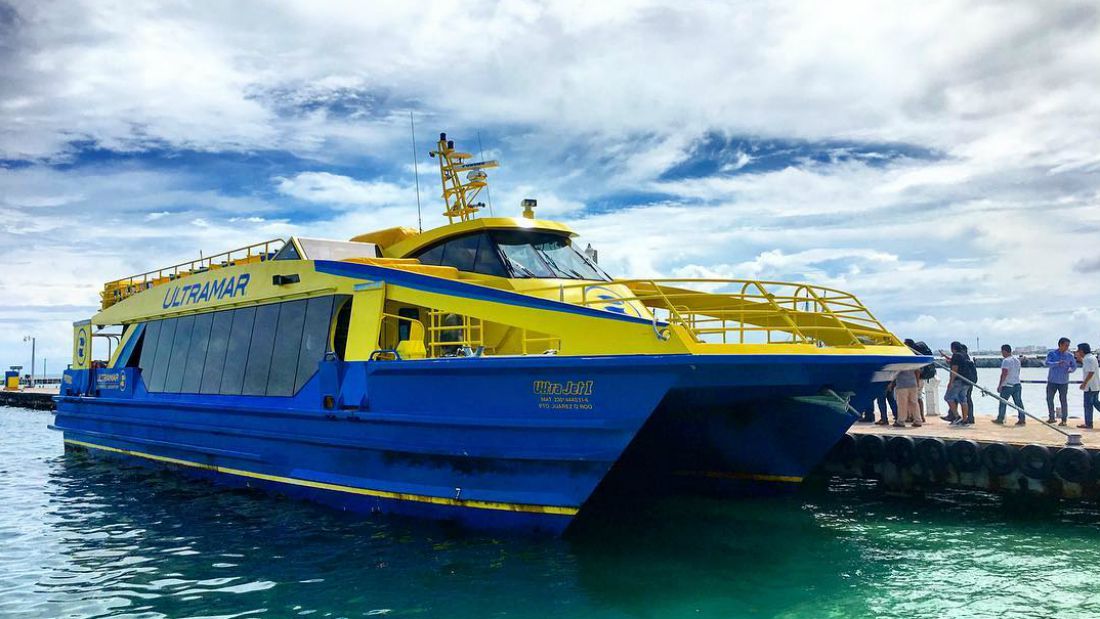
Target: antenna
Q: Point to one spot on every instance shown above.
(416, 174)
(481, 154)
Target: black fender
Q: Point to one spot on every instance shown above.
(1073, 464)
(965, 455)
(932, 454)
(1000, 459)
(844, 451)
(1036, 461)
(872, 448)
(899, 450)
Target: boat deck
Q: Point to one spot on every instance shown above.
(985, 431)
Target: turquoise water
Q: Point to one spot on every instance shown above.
(86, 539)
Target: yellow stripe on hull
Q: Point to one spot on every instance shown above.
(743, 476)
(383, 494)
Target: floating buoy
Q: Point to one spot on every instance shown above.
(872, 448)
(1036, 461)
(899, 449)
(965, 456)
(1073, 464)
(932, 454)
(999, 459)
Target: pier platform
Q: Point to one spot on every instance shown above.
(1030, 459)
(39, 398)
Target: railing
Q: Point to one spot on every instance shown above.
(737, 311)
(119, 289)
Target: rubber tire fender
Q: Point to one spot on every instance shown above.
(899, 450)
(965, 455)
(932, 454)
(1000, 459)
(845, 451)
(1036, 461)
(872, 448)
(1073, 464)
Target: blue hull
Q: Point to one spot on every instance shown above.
(513, 443)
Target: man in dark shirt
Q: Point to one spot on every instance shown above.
(957, 395)
(970, 372)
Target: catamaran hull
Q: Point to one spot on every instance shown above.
(508, 443)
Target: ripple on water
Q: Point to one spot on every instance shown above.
(87, 539)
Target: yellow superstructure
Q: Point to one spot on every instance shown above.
(497, 286)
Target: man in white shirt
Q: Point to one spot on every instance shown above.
(1009, 386)
(1090, 384)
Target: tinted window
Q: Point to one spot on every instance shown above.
(196, 355)
(164, 353)
(259, 353)
(472, 253)
(236, 354)
(488, 258)
(461, 252)
(288, 252)
(288, 341)
(315, 332)
(178, 361)
(431, 256)
(215, 352)
(149, 347)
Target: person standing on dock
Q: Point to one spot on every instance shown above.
(927, 373)
(1090, 384)
(1009, 386)
(1061, 363)
(958, 390)
(905, 392)
(884, 398)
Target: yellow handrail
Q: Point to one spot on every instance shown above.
(805, 313)
(119, 289)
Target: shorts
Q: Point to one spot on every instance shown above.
(958, 392)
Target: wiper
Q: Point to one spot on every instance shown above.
(519, 267)
(554, 265)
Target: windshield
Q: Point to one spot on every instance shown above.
(541, 254)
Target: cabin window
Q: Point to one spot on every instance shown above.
(288, 340)
(315, 331)
(178, 359)
(236, 354)
(196, 354)
(159, 371)
(215, 352)
(431, 256)
(267, 350)
(288, 252)
(258, 366)
(149, 344)
(545, 254)
(473, 253)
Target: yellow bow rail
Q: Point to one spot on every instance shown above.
(738, 311)
(119, 289)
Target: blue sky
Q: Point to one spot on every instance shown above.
(939, 159)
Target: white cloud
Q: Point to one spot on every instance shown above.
(326, 188)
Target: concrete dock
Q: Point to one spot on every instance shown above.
(38, 398)
(1030, 459)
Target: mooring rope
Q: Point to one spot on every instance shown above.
(1071, 439)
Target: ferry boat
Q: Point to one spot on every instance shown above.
(486, 371)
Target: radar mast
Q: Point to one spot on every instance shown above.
(458, 195)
